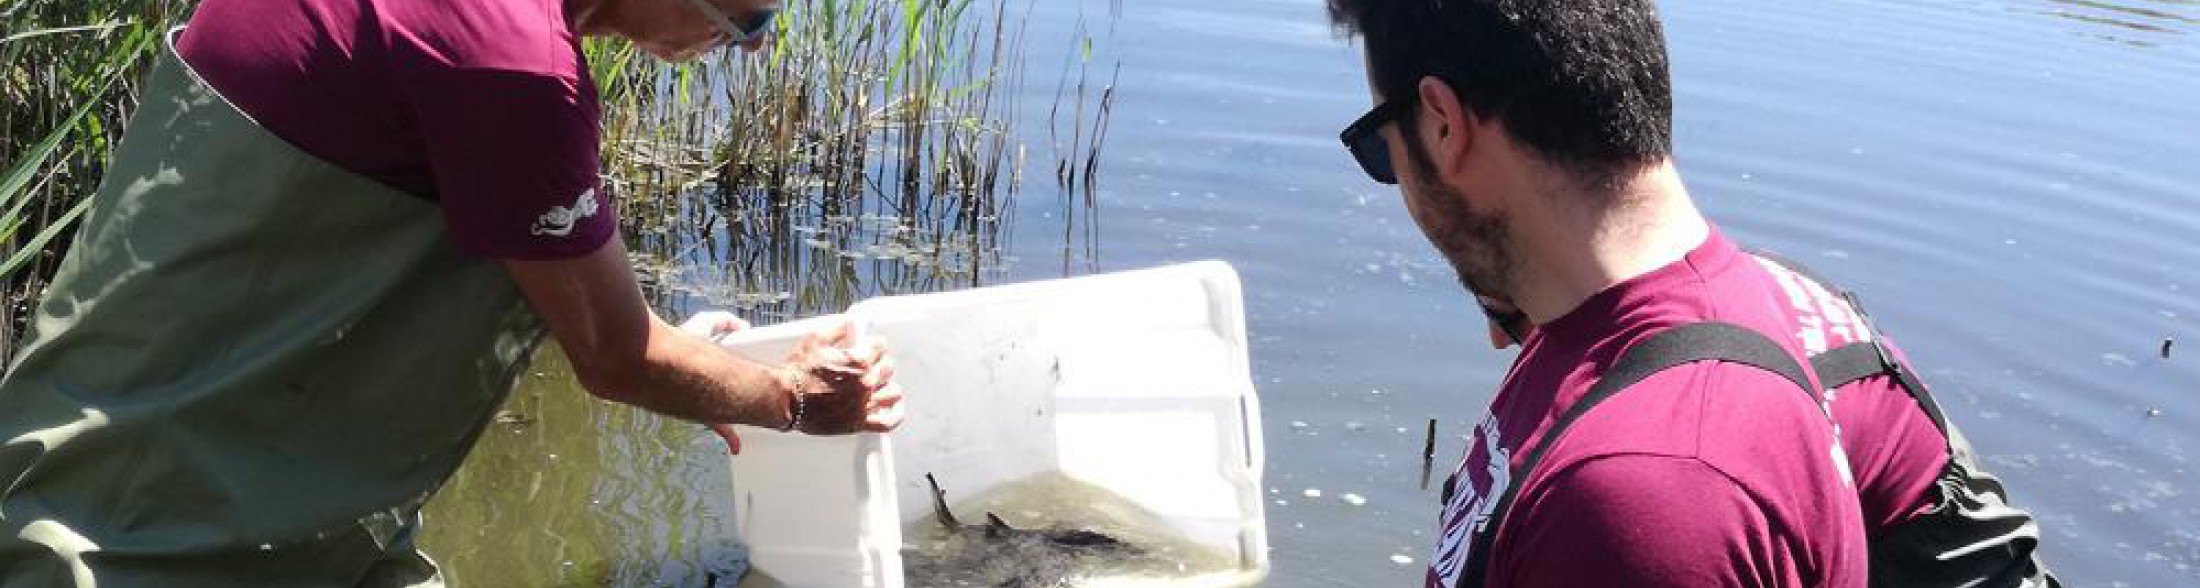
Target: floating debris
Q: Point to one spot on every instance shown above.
(514, 419)
(2154, 413)
(1313, 493)
(1354, 499)
(1401, 559)
(1428, 453)
(1428, 445)
(2166, 344)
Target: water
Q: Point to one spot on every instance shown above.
(2007, 182)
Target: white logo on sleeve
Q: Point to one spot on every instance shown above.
(559, 221)
(1823, 321)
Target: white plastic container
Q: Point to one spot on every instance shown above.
(1136, 382)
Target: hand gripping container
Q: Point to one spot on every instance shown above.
(1137, 382)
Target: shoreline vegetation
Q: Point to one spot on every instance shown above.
(876, 148)
(68, 77)
(871, 150)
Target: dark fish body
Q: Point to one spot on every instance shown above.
(999, 555)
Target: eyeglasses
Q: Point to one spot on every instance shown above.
(737, 33)
(1365, 139)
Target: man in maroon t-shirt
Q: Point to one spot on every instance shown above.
(1535, 138)
(306, 284)
(1932, 515)
(486, 108)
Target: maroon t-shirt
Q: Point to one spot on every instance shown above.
(484, 106)
(1893, 448)
(1706, 474)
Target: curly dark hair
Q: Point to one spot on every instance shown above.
(1582, 83)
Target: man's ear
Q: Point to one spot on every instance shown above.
(1445, 126)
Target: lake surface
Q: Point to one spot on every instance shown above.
(2008, 183)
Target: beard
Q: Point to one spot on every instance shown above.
(1477, 244)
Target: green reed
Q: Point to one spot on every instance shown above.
(68, 75)
(869, 150)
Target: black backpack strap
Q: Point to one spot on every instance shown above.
(1846, 364)
(1682, 345)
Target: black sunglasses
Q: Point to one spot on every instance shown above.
(1365, 139)
(1513, 324)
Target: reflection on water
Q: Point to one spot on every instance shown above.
(2142, 23)
(568, 491)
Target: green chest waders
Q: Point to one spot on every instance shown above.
(252, 370)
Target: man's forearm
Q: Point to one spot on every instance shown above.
(624, 353)
(688, 377)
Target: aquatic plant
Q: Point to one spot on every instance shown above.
(870, 134)
(68, 78)
(865, 152)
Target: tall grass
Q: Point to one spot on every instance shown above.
(1079, 138)
(869, 150)
(68, 74)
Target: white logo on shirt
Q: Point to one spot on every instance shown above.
(1470, 507)
(560, 220)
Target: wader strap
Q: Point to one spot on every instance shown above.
(1887, 365)
(1847, 364)
(1682, 345)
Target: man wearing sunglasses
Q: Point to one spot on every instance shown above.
(1532, 142)
(1536, 137)
(325, 249)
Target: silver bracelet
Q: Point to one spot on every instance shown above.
(795, 401)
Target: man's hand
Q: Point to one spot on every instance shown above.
(622, 352)
(714, 324)
(827, 356)
(847, 383)
(746, 11)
